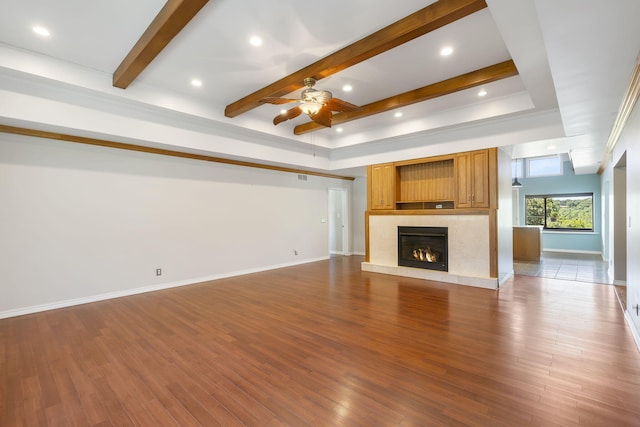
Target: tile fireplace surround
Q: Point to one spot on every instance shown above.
(469, 259)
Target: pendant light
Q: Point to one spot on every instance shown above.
(515, 182)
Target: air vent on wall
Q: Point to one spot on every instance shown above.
(302, 177)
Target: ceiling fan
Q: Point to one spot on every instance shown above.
(318, 104)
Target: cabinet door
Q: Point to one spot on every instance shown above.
(472, 170)
(480, 177)
(464, 183)
(382, 185)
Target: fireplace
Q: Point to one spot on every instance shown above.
(423, 247)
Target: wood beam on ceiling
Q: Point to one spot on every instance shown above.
(171, 19)
(417, 24)
(482, 76)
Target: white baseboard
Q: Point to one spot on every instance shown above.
(572, 251)
(632, 326)
(502, 280)
(134, 291)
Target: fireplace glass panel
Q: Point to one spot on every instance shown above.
(423, 247)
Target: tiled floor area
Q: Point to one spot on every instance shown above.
(567, 266)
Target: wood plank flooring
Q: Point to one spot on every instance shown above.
(324, 344)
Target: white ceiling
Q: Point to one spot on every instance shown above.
(575, 59)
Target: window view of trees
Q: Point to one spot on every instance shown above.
(560, 212)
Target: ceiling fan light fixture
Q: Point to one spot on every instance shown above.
(310, 107)
(319, 105)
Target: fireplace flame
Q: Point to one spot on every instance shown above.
(426, 255)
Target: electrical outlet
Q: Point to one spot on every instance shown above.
(158, 272)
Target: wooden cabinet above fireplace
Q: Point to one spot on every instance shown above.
(456, 181)
(382, 180)
(472, 179)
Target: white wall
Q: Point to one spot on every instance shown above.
(504, 218)
(81, 223)
(629, 143)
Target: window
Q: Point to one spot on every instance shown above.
(564, 212)
(544, 166)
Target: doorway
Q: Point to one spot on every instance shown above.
(619, 250)
(338, 222)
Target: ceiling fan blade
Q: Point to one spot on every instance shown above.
(276, 100)
(292, 113)
(335, 104)
(322, 117)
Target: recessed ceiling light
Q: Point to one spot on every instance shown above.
(41, 31)
(446, 51)
(482, 92)
(551, 147)
(398, 114)
(196, 82)
(255, 41)
(338, 130)
(283, 111)
(347, 88)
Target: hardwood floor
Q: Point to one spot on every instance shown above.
(324, 344)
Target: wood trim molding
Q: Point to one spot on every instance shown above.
(628, 103)
(417, 24)
(493, 178)
(367, 251)
(171, 19)
(482, 76)
(493, 243)
(478, 211)
(161, 151)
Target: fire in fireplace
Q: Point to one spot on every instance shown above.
(423, 247)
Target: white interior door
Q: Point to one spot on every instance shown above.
(338, 221)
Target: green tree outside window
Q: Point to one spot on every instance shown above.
(560, 212)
